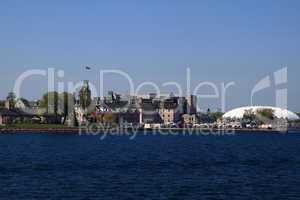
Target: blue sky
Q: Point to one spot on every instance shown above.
(221, 41)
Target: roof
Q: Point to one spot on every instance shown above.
(6, 112)
(14, 112)
(278, 112)
(20, 112)
(149, 104)
(170, 104)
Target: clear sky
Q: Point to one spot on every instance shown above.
(221, 41)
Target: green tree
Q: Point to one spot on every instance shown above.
(66, 104)
(249, 116)
(58, 104)
(85, 96)
(214, 116)
(266, 113)
(50, 102)
(2, 104)
(11, 98)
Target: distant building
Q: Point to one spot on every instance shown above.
(27, 106)
(15, 115)
(169, 111)
(279, 113)
(191, 104)
(166, 110)
(149, 111)
(152, 95)
(22, 104)
(128, 118)
(143, 109)
(190, 119)
(7, 116)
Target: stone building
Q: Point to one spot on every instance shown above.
(149, 111)
(191, 104)
(170, 111)
(190, 119)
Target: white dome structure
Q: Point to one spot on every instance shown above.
(238, 113)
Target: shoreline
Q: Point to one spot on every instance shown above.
(112, 130)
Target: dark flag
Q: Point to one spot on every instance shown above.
(87, 68)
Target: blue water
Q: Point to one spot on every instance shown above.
(243, 166)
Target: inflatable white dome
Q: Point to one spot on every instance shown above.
(238, 113)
